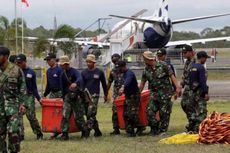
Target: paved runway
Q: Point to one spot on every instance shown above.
(219, 89)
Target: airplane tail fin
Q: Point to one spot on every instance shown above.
(162, 10)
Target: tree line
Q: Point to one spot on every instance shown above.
(7, 36)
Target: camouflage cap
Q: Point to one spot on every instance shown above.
(91, 58)
(149, 55)
(64, 60)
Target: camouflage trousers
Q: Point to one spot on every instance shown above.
(164, 106)
(53, 94)
(91, 112)
(9, 125)
(131, 109)
(114, 114)
(21, 126)
(75, 106)
(31, 116)
(195, 108)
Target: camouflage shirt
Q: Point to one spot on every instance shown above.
(158, 78)
(118, 81)
(13, 89)
(187, 67)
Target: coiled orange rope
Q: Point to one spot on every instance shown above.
(215, 129)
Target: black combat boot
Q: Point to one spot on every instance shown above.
(97, 132)
(154, 131)
(85, 133)
(116, 131)
(39, 136)
(65, 136)
(22, 137)
(130, 133)
(140, 130)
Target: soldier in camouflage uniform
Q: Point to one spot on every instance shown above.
(12, 59)
(199, 95)
(132, 101)
(71, 86)
(118, 80)
(13, 89)
(158, 75)
(186, 103)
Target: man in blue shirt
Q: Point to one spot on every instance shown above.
(53, 86)
(32, 91)
(92, 77)
(199, 88)
(132, 100)
(71, 84)
(53, 75)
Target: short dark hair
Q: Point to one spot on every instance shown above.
(12, 58)
(4, 51)
(121, 63)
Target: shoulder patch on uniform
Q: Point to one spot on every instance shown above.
(194, 69)
(96, 76)
(28, 75)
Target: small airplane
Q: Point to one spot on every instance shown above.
(156, 30)
(91, 44)
(153, 31)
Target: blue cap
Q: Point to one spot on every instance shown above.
(21, 57)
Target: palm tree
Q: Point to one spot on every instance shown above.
(4, 25)
(40, 47)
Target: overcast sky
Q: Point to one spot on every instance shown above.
(82, 13)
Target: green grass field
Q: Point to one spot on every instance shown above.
(121, 143)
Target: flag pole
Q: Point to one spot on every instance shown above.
(22, 29)
(16, 27)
